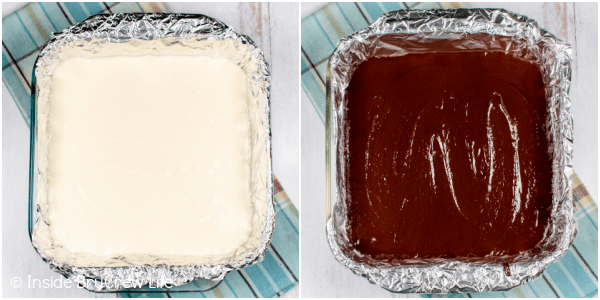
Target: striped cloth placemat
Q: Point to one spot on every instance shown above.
(27, 30)
(575, 274)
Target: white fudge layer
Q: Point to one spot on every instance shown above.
(149, 155)
(151, 152)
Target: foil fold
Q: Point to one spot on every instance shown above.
(121, 28)
(412, 31)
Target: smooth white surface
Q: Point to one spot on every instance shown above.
(322, 275)
(275, 29)
(155, 170)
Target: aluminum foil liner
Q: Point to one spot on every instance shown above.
(400, 32)
(120, 28)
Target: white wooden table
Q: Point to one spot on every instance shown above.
(575, 23)
(274, 28)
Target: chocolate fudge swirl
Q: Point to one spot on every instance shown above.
(448, 156)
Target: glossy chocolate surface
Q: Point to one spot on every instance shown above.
(448, 156)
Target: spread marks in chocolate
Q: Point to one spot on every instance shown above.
(447, 156)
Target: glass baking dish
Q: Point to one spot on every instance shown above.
(421, 31)
(119, 28)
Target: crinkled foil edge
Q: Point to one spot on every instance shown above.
(536, 44)
(124, 28)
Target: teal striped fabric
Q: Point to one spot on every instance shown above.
(26, 31)
(575, 274)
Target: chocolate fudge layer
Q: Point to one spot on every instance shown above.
(448, 156)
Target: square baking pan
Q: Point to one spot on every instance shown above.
(454, 30)
(194, 34)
